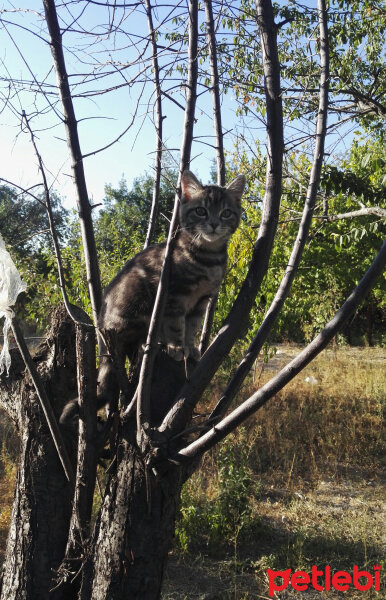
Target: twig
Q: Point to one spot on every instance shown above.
(45, 403)
(158, 128)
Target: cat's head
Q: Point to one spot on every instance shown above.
(210, 213)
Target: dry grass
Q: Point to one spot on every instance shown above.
(316, 495)
(310, 465)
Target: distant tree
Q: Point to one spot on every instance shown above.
(24, 222)
(121, 225)
(25, 229)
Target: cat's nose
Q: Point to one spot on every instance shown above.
(213, 226)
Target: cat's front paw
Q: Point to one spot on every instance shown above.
(177, 352)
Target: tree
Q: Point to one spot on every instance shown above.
(153, 454)
(347, 228)
(25, 227)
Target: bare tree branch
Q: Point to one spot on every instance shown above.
(158, 127)
(52, 230)
(362, 212)
(259, 398)
(221, 345)
(215, 89)
(297, 251)
(143, 402)
(70, 122)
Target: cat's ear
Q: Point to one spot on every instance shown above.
(237, 187)
(190, 186)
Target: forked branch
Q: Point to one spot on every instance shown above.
(304, 227)
(259, 398)
(221, 345)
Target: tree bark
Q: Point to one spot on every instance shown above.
(135, 528)
(43, 499)
(136, 523)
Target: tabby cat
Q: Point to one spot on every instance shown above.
(209, 215)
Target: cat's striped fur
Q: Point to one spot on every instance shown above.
(209, 215)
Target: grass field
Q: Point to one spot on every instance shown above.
(301, 484)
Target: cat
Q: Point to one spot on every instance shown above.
(208, 215)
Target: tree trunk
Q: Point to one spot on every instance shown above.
(43, 498)
(40, 515)
(135, 528)
(136, 524)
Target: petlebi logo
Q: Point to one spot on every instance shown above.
(324, 580)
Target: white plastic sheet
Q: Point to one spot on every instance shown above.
(10, 287)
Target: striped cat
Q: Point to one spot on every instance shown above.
(209, 215)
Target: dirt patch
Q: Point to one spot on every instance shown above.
(338, 523)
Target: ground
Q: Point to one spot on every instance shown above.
(318, 496)
(303, 523)
(306, 474)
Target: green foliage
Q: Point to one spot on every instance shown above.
(25, 229)
(212, 525)
(24, 222)
(357, 54)
(337, 253)
(120, 231)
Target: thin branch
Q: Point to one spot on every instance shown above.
(304, 227)
(158, 128)
(259, 398)
(24, 190)
(222, 344)
(54, 236)
(370, 210)
(84, 208)
(215, 89)
(143, 403)
(122, 132)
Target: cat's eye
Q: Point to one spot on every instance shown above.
(226, 213)
(201, 211)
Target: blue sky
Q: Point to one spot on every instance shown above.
(25, 55)
(102, 118)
